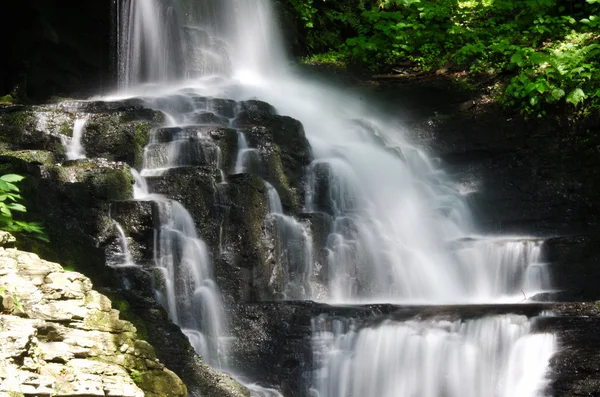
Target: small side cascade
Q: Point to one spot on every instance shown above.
(140, 186)
(495, 356)
(518, 273)
(183, 279)
(294, 249)
(245, 154)
(185, 286)
(127, 260)
(75, 150)
(180, 147)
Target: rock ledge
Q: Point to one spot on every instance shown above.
(62, 338)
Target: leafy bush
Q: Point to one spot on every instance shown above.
(545, 50)
(9, 203)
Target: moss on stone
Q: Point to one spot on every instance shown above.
(279, 179)
(160, 383)
(66, 128)
(228, 143)
(126, 313)
(14, 124)
(141, 139)
(42, 157)
(7, 100)
(101, 182)
(115, 137)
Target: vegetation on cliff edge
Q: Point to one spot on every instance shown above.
(543, 53)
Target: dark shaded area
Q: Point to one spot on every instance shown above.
(55, 48)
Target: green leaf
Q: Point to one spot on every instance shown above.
(557, 93)
(576, 96)
(7, 187)
(17, 207)
(541, 87)
(533, 100)
(12, 178)
(517, 59)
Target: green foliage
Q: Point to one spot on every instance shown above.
(10, 203)
(547, 49)
(333, 59)
(6, 99)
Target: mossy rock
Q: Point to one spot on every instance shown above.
(285, 153)
(41, 157)
(159, 383)
(101, 179)
(116, 137)
(228, 143)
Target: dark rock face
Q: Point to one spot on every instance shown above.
(283, 150)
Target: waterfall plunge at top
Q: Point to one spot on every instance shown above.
(166, 40)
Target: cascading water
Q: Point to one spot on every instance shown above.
(188, 291)
(295, 248)
(399, 232)
(74, 148)
(492, 357)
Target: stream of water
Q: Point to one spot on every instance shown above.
(401, 231)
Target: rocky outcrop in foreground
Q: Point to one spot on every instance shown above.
(62, 338)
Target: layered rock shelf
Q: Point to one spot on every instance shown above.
(62, 338)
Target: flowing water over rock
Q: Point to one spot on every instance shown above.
(493, 356)
(74, 148)
(396, 228)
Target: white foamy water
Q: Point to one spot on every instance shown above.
(75, 150)
(493, 357)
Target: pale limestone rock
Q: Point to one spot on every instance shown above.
(6, 239)
(67, 340)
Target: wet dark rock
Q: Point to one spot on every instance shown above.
(574, 368)
(138, 219)
(223, 107)
(321, 194)
(320, 226)
(117, 137)
(210, 118)
(574, 264)
(254, 112)
(243, 269)
(285, 153)
(195, 189)
(535, 178)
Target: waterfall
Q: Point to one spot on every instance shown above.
(75, 150)
(400, 230)
(492, 357)
(150, 47)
